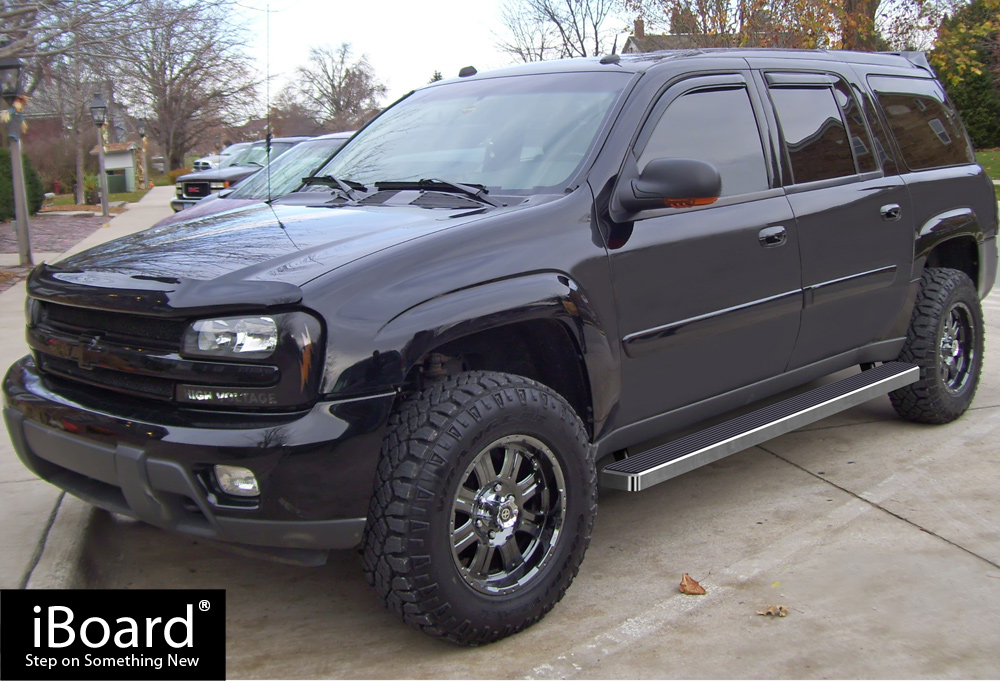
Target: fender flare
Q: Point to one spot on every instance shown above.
(948, 226)
(536, 296)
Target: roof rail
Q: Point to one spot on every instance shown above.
(918, 59)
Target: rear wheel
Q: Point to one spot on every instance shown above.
(945, 340)
(484, 503)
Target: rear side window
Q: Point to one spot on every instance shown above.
(815, 135)
(925, 125)
(861, 142)
(717, 126)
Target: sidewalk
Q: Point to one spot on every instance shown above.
(30, 505)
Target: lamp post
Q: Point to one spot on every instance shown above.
(99, 112)
(141, 126)
(10, 88)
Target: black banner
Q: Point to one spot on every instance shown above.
(113, 634)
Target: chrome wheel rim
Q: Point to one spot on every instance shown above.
(507, 515)
(956, 349)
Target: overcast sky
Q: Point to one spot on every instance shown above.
(405, 42)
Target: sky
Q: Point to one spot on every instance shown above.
(405, 42)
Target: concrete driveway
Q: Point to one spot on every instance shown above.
(879, 536)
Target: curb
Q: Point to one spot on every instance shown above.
(61, 563)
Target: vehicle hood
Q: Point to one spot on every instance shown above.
(232, 173)
(252, 256)
(210, 205)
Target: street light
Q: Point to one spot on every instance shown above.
(99, 112)
(10, 89)
(141, 127)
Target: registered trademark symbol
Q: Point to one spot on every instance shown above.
(204, 606)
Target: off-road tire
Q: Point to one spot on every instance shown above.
(941, 395)
(434, 439)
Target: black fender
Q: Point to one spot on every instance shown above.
(944, 230)
(538, 296)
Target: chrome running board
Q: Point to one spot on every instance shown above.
(674, 458)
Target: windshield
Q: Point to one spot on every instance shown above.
(232, 153)
(516, 133)
(287, 170)
(257, 154)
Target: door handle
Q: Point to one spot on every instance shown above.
(771, 237)
(890, 211)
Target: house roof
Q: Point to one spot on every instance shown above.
(116, 147)
(654, 43)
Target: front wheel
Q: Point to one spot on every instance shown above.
(945, 340)
(483, 506)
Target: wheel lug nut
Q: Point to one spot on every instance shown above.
(479, 523)
(497, 487)
(493, 535)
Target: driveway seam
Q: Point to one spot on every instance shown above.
(882, 508)
(40, 547)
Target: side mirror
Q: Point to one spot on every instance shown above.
(671, 183)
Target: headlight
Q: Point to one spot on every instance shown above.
(234, 337)
(32, 310)
(219, 185)
(180, 190)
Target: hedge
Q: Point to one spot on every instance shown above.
(36, 195)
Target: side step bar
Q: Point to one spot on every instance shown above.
(669, 460)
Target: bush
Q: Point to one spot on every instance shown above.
(177, 172)
(33, 186)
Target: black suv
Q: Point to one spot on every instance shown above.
(503, 284)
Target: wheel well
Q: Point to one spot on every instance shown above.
(541, 350)
(959, 253)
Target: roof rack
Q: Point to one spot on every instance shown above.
(918, 59)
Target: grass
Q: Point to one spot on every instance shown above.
(989, 159)
(70, 199)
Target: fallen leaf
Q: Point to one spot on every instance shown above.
(691, 587)
(774, 611)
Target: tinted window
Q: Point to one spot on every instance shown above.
(717, 126)
(817, 142)
(923, 122)
(882, 148)
(861, 142)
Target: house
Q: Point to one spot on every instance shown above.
(119, 164)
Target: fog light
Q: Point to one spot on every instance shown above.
(237, 481)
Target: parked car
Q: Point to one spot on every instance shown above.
(283, 175)
(195, 186)
(497, 294)
(214, 161)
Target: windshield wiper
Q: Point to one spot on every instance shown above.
(474, 191)
(348, 187)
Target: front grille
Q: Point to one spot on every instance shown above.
(116, 326)
(143, 386)
(197, 190)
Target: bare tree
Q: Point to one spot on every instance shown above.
(527, 36)
(190, 75)
(546, 29)
(344, 93)
(69, 83)
(45, 28)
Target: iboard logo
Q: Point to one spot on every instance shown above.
(122, 634)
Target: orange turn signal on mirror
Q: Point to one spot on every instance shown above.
(690, 203)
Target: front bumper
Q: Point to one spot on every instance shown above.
(180, 204)
(315, 468)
